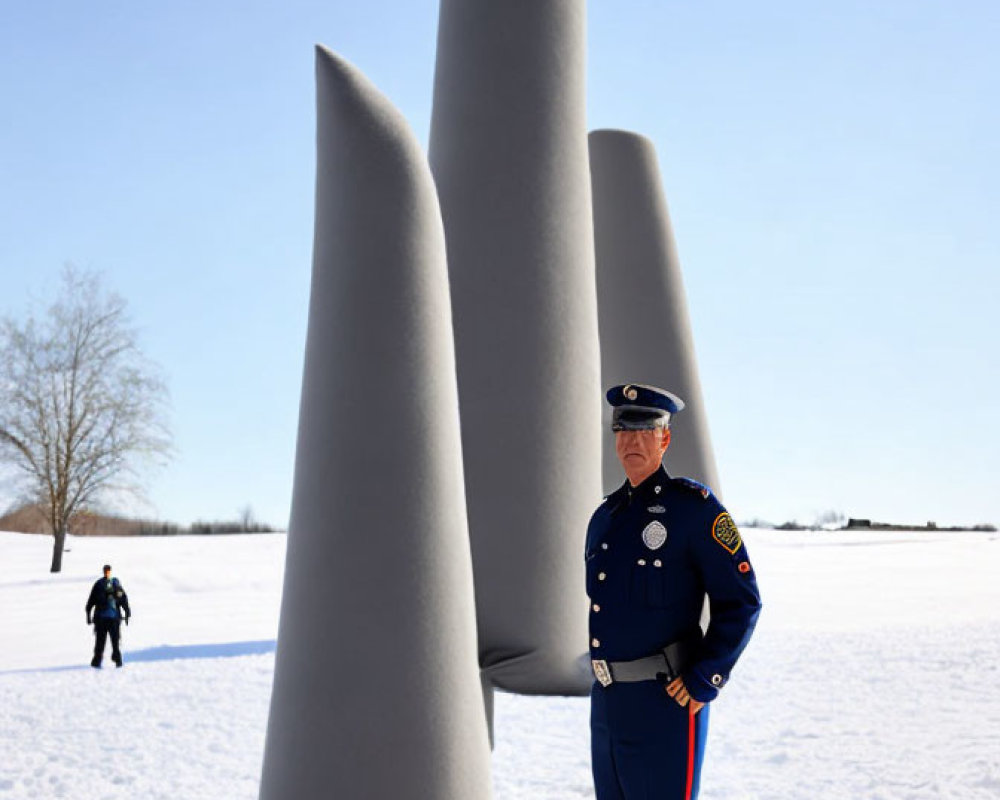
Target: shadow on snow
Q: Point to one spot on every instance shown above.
(169, 652)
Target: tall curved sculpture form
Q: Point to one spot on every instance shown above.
(645, 330)
(508, 149)
(376, 691)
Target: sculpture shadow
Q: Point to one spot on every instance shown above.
(168, 652)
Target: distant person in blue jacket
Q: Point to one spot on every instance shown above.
(655, 548)
(109, 605)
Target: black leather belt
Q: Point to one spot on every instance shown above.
(664, 666)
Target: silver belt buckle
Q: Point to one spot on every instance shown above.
(601, 671)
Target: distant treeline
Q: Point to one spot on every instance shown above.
(200, 527)
(29, 518)
(853, 524)
(868, 525)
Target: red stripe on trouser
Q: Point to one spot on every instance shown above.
(691, 743)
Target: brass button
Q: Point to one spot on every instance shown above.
(596, 608)
(595, 642)
(642, 562)
(601, 576)
(657, 563)
(604, 545)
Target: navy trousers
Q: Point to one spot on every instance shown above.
(102, 629)
(644, 746)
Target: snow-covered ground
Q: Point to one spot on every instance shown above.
(874, 675)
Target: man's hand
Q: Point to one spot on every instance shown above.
(677, 690)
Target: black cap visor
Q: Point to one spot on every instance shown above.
(638, 418)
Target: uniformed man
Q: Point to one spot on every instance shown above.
(655, 547)
(109, 604)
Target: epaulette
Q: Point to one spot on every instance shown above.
(694, 486)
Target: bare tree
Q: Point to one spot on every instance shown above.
(246, 518)
(82, 412)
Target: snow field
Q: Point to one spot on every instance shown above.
(873, 675)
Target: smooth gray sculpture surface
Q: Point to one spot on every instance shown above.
(645, 330)
(508, 149)
(376, 689)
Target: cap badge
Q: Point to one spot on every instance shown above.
(629, 392)
(654, 535)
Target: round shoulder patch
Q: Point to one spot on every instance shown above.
(724, 531)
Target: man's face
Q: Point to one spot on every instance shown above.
(640, 452)
(107, 574)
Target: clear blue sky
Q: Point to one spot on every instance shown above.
(832, 170)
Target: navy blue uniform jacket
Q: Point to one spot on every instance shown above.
(109, 599)
(652, 554)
